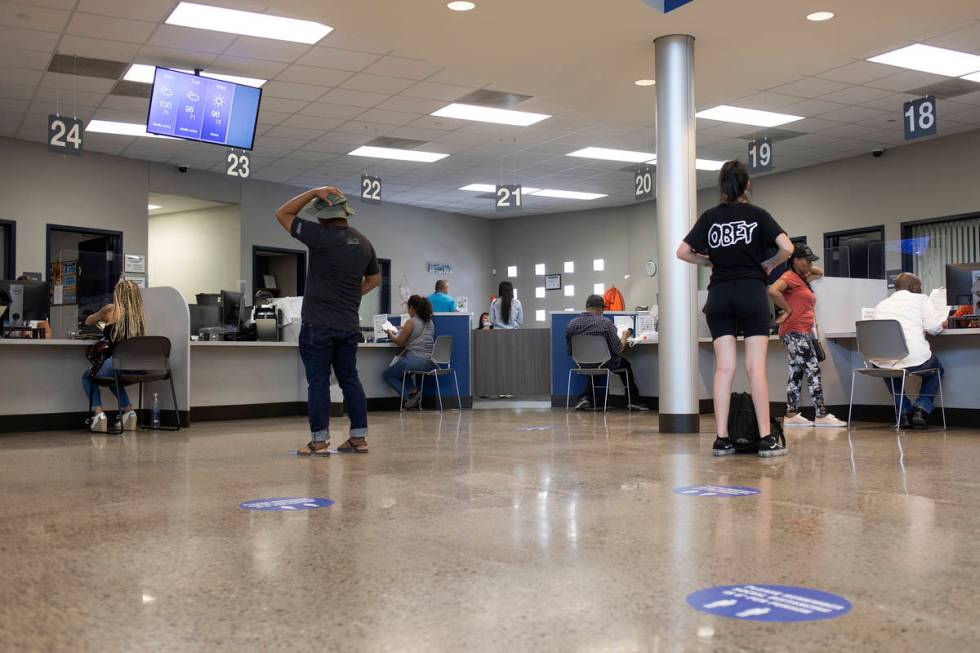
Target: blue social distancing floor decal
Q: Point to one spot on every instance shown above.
(776, 603)
(286, 503)
(716, 491)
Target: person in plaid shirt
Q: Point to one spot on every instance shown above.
(592, 323)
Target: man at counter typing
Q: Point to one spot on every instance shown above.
(916, 314)
(343, 268)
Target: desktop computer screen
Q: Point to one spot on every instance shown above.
(29, 300)
(232, 306)
(962, 281)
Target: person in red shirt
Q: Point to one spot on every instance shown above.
(793, 294)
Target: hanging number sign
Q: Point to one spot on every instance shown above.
(371, 189)
(920, 118)
(239, 164)
(509, 197)
(760, 155)
(643, 183)
(64, 134)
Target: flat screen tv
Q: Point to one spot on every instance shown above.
(184, 105)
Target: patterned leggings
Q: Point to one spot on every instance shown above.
(802, 360)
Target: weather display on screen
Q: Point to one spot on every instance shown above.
(203, 109)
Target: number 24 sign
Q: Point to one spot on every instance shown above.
(64, 134)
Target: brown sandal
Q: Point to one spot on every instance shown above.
(315, 448)
(354, 445)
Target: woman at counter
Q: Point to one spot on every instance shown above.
(793, 294)
(417, 336)
(122, 319)
(484, 323)
(506, 311)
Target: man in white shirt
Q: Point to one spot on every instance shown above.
(918, 316)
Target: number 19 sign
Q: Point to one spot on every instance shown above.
(920, 118)
(760, 155)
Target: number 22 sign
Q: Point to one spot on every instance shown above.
(371, 189)
(64, 134)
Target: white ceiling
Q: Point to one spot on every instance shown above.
(411, 58)
(178, 204)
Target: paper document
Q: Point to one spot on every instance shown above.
(379, 327)
(644, 323)
(938, 300)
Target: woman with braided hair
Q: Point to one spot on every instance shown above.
(121, 319)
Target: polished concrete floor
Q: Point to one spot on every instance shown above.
(484, 530)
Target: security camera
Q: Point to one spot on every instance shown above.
(878, 152)
(182, 168)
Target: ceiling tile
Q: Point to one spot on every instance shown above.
(402, 67)
(766, 101)
(126, 103)
(268, 118)
(20, 76)
(906, 80)
(97, 48)
(417, 133)
(152, 10)
(890, 103)
(186, 38)
(810, 108)
(300, 134)
(325, 110)
(43, 19)
(312, 123)
(69, 83)
(437, 91)
(811, 125)
(328, 147)
(970, 98)
(108, 27)
(856, 95)
(354, 98)
(281, 105)
(28, 39)
(337, 59)
(247, 67)
(853, 114)
(372, 129)
(173, 58)
(859, 72)
(387, 117)
(966, 39)
(411, 105)
(251, 47)
(17, 58)
(349, 139)
(68, 96)
(14, 105)
(313, 75)
(345, 41)
(810, 87)
(377, 83)
(293, 91)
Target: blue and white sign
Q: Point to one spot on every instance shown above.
(287, 503)
(774, 603)
(716, 491)
(667, 5)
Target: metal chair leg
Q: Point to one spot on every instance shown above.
(942, 399)
(850, 405)
(438, 390)
(900, 403)
(118, 409)
(459, 400)
(592, 381)
(401, 395)
(421, 390)
(173, 393)
(605, 405)
(629, 399)
(568, 391)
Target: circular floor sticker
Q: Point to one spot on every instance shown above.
(777, 603)
(716, 491)
(286, 503)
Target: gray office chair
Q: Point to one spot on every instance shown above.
(442, 353)
(884, 340)
(138, 361)
(590, 354)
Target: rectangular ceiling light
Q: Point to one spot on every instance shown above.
(490, 188)
(397, 155)
(568, 194)
(247, 23)
(143, 74)
(153, 207)
(489, 114)
(742, 116)
(120, 128)
(930, 59)
(607, 154)
(975, 77)
(708, 164)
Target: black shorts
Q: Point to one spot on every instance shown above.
(738, 308)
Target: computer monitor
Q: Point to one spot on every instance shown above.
(960, 280)
(231, 308)
(29, 300)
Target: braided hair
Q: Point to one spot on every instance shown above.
(128, 303)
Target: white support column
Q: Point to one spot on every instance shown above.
(676, 205)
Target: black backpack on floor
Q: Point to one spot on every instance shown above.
(742, 426)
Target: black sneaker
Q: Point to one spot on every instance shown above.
(905, 422)
(583, 404)
(413, 400)
(723, 447)
(920, 419)
(770, 446)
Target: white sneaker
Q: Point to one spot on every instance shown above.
(127, 422)
(797, 421)
(99, 424)
(828, 421)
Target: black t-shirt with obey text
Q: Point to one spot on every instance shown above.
(737, 238)
(340, 258)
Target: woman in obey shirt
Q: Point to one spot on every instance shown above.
(733, 239)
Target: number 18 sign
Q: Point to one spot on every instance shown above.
(920, 118)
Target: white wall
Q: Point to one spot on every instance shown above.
(195, 251)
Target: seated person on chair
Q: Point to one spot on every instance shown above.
(417, 336)
(917, 316)
(592, 323)
(441, 300)
(122, 319)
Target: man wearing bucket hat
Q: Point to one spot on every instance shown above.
(342, 268)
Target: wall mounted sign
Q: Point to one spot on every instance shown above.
(552, 282)
(371, 189)
(138, 280)
(760, 155)
(716, 491)
(135, 263)
(509, 197)
(643, 183)
(919, 118)
(462, 304)
(773, 603)
(439, 268)
(239, 164)
(64, 134)
(287, 503)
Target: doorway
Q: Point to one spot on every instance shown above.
(83, 266)
(282, 272)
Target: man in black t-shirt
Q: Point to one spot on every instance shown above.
(342, 268)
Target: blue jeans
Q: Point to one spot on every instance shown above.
(322, 348)
(928, 391)
(393, 375)
(95, 392)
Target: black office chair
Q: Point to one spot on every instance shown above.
(138, 361)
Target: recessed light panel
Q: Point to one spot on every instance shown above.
(609, 154)
(397, 155)
(490, 188)
(930, 59)
(568, 194)
(820, 16)
(120, 128)
(461, 5)
(153, 207)
(742, 116)
(247, 23)
(489, 114)
(645, 82)
(143, 73)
